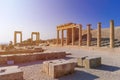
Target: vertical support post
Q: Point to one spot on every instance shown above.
(14, 38)
(67, 42)
(80, 35)
(111, 34)
(99, 35)
(32, 36)
(73, 36)
(20, 37)
(57, 37)
(88, 35)
(62, 40)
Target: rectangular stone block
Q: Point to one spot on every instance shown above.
(92, 62)
(11, 73)
(80, 61)
(58, 68)
(46, 64)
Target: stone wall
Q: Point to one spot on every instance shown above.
(22, 58)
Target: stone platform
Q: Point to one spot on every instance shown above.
(58, 68)
(23, 58)
(11, 73)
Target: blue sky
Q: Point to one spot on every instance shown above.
(45, 15)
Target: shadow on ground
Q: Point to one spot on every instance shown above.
(108, 68)
(79, 75)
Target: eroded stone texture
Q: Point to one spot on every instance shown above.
(58, 68)
(112, 34)
(11, 73)
(99, 35)
(15, 36)
(22, 58)
(92, 62)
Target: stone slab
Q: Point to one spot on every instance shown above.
(11, 73)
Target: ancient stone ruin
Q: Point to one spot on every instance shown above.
(75, 35)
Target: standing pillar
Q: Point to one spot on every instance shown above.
(88, 35)
(67, 35)
(20, 37)
(80, 35)
(62, 40)
(111, 34)
(14, 38)
(57, 37)
(73, 36)
(39, 37)
(99, 35)
(31, 36)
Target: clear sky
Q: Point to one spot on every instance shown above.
(45, 15)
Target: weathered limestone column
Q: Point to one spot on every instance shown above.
(38, 36)
(14, 38)
(31, 36)
(67, 42)
(80, 35)
(111, 34)
(73, 36)
(62, 38)
(57, 37)
(20, 37)
(99, 35)
(88, 35)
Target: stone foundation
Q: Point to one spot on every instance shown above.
(22, 58)
(58, 68)
(11, 73)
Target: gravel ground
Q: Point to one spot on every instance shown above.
(110, 70)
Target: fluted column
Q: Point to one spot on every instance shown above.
(99, 35)
(111, 34)
(80, 35)
(88, 35)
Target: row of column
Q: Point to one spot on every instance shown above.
(89, 35)
(67, 39)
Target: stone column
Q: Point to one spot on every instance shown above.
(67, 42)
(39, 37)
(62, 38)
(32, 36)
(57, 37)
(111, 34)
(99, 35)
(88, 35)
(14, 38)
(20, 37)
(73, 35)
(80, 35)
